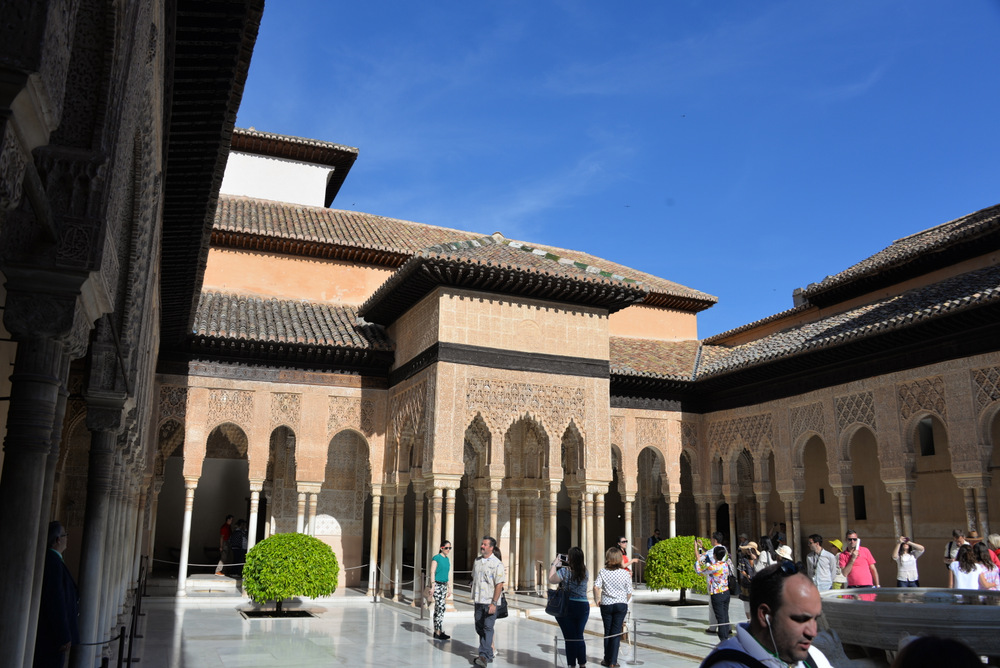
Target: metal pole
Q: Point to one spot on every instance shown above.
(555, 650)
(121, 647)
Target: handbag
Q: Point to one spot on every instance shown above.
(502, 611)
(558, 601)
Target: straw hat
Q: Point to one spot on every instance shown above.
(837, 544)
(785, 552)
(751, 546)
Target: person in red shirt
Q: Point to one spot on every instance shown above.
(225, 553)
(857, 563)
(623, 546)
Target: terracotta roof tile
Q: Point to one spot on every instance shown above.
(907, 249)
(653, 359)
(966, 291)
(231, 316)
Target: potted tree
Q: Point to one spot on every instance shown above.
(289, 564)
(670, 565)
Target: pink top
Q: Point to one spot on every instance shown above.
(861, 572)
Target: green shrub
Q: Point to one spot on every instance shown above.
(670, 565)
(289, 564)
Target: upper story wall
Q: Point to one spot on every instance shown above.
(276, 179)
(286, 277)
(651, 322)
(496, 321)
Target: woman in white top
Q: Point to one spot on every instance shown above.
(612, 591)
(767, 556)
(905, 555)
(964, 571)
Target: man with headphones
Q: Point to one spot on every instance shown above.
(784, 606)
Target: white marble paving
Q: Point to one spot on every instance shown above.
(211, 633)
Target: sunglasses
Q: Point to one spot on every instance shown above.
(623, 542)
(446, 548)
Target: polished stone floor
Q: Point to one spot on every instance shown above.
(352, 630)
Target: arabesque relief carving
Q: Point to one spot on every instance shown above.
(285, 409)
(747, 432)
(502, 402)
(987, 382)
(230, 406)
(926, 394)
(650, 433)
(854, 408)
(807, 418)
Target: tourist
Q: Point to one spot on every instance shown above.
(718, 570)
(821, 565)
(768, 557)
(58, 608)
(784, 553)
(905, 554)
(989, 577)
(437, 579)
(951, 549)
(994, 544)
(238, 543)
(784, 606)
(623, 546)
(653, 540)
(488, 578)
(717, 539)
(857, 563)
(963, 571)
(572, 573)
(225, 552)
(612, 591)
(934, 652)
(749, 556)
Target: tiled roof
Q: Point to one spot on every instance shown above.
(647, 358)
(246, 216)
(946, 297)
(969, 235)
(316, 231)
(231, 316)
(492, 264)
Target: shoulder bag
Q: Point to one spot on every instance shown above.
(558, 600)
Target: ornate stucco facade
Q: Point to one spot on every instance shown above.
(179, 347)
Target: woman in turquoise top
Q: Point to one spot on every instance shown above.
(573, 572)
(438, 578)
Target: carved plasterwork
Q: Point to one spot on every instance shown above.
(618, 430)
(926, 394)
(353, 413)
(502, 402)
(173, 402)
(285, 409)
(746, 432)
(12, 164)
(408, 408)
(855, 408)
(650, 433)
(987, 385)
(807, 418)
(230, 406)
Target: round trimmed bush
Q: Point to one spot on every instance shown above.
(670, 565)
(289, 564)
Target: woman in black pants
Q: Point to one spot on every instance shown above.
(573, 572)
(612, 591)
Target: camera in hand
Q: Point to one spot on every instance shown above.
(561, 558)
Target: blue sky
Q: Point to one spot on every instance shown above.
(740, 148)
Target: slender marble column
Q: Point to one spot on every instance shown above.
(597, 551)
(389, 510)
(99, 481)
(190, 484)
(841, 494)
(672, 513)
(494, 510)
(970, 509)
(397, 545)
(796, 528)
(449, 535)
(761, 515)
(51, 462)
(552, 530)
(255, 487)
(702, 511)
(514, 581)
(109, 604)
(574, 521)
(588, 525)
(897, 514)
(418, 548)
(906, 507)
(983, 512)
(35, 387)
(434, 517)
(373, 543)
(733, 540)
(300, 514)
(313, 502)
(628, 500)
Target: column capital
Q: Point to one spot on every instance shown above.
(256, 485)
(791, 496)
(304, 487)
(191, 482)
(899, 486)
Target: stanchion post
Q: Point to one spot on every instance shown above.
(121, 647)
(555, 650)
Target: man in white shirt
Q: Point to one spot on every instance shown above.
(784, 607)
(951, 549)
(488, 578)
(820, 564)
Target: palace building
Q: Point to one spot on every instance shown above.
(192, 329)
